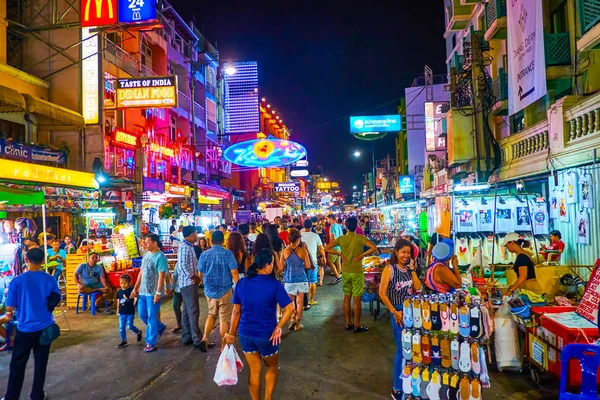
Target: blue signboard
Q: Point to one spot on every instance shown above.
(137, 11)
(406, 184)
(33, 154)
(154, 185)
(376, 123)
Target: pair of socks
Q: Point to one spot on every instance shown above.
(406, 381)
(445, 386)
(484, 377)
(436, 321)
(425, 380)
(436, 355)
(463, 322)
(407, 314)
(454, 353)
(465, 389)
(426, 311)
(464, 362)
(475, 323)
(426, 349)
(417, 317)
(445, 317)
(445, 349)
(475, 365)
(416, 382)
(475, 390)
(454, 319)
(433, 389)
(407, 345)
(453, 388)
(417, 356)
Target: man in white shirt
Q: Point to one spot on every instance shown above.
(253, 234)
(315, 246)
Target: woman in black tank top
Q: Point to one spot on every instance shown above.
(398, 281)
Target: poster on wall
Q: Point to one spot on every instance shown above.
(526, 59)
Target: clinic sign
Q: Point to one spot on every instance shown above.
(378, 123)
(33, 154)
(287, 188)
(526, 61)
(406, 184)
(153, 92)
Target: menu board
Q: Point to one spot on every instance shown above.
(588, 308)
(120, 246)
(131, 244)
(73, 261)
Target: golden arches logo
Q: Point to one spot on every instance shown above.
(99, 14)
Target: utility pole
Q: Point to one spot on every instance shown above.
(482, 153)
(374, 172)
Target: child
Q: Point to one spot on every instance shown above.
(126, 311)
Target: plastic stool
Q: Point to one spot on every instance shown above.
(589, 358)
(92, 297)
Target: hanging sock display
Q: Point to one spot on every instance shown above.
(406, 381)
(465, 388)
(426, 349)
(445, 349)
(464, 362)
(463, 318)
(484, 377)
(407, 314)
(416, 348)
(407, 345)
(416, 382)
(475, 390)
(475, 323)
(455, 352)
(436, 322)
(436, 355)
(417, 317)
(445, 386)
(475, 365)
(454, 319)
(453, 390)
(426, 311)
(433, 389)
(445, 317)
(425, 380)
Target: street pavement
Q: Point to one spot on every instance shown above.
(320, 362)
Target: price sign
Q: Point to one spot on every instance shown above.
(538, 351)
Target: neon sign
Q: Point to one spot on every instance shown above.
(125, 138)
(266, 153)
(89, 75)
(96, 13)
(165, 151)
(158, 91)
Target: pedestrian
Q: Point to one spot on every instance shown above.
(219, 271)
(295, 262)
(33, 295)
(353, 280)
(253, 233)
(237, 246)
(126, 311)
(208, 235)
(177, 302)
(314, 246)
(335, 231)
(188, 280)
(150, 289)
(173, 227)
(399, 280)
(276, 241)
(58, 256)
(223, 228)
(284, 234)
(443, 275)
(255, 301)
(244, 230)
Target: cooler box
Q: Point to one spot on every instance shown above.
(557, 327)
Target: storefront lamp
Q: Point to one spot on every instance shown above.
(230, 70)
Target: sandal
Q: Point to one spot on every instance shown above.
(320, 284)
(176, 329)
(349, 327)
(292, 326)
(308, 307)
(360, 329)
(149, 349)
(298, 327)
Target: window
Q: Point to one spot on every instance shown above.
(12, 130)
(172, 129)
(558, 17)
(517, 122)
(146, 55)
(116, 38)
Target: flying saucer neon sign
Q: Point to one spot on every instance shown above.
(265, 153)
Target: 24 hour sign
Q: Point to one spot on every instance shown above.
(155, 92)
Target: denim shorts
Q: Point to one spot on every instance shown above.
(264, 347)
(295, 288)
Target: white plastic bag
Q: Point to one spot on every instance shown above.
(228, 366)
(508, 354)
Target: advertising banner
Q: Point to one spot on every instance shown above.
(377, 123)
(406, 184)
(154, 92)
(526, 61)
(32, 154)
(137, 11)
(287, 187)
(243, 216)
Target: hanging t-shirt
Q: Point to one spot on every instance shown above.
(485, 219)
(488, 247)
(563, 208)
(466, 221)
(505, 218)
(571, 188)
(502, 252)
(522, 217)
(462, 252)
(586, 189)
(554, 204)
(540, 218)
(474, 245)
(583, 227)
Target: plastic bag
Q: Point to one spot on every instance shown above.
(228, 366)
(508, 354)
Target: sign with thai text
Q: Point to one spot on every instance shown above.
(98, 12)
(323, 185)
(17, 151)
(377, 123)
(588, 307)
(152, 92)
(406, 184)
(180, 190)
(20, 171)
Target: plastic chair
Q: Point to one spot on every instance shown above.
(92, 297)
(589, 358)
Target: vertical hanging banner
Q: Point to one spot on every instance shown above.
(89, 76)
(526, 62)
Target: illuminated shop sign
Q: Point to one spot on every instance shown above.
(89, 75)
(377, 123)
(98, 12)
(165, 151)
(179, 190)
(126, 138)
(154, 92)
(137, 11)
(207, 200)
(213, 193)
(154, 185)
(298, 173)
(406, 184)
(287, 187)
(33, 154)
(20, 171)
(323, 185)
(267, 153)
(435, 121)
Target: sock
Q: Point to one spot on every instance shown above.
(454, 352)
(433, 389)
(436, 322)
(416, 348)
(465, 389)
(475, 390)
(407, 314)
(445, 317)
(417, 318)
(436, 356)
(445, 386)
(484, 377)
(416, 382)
(406, 381)
(464, 362)
(426, 310)
(407, 345)
(475, 366)
(454, 318)
(475, 322)
(426, 348)
(486, 322)
(445, 349)
(453, 389)
(425, 378)
(463, 319)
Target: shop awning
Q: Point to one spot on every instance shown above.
(213, 191)
(10, 196)
(11, 100)
(53, 117)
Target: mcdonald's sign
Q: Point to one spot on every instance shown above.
(98, 12)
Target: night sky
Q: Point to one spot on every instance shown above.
(322, 61)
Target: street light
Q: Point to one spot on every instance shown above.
(230, 70)
(354, 187)
(357, 154)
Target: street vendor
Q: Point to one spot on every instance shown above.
(557, 246)
(524, 267)
(410, 236)
(443, 275)
(90, 278)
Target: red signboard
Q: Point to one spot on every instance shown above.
(204, 191)
(98, 12)
(588, 307)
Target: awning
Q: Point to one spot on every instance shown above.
(53, 117)
(11, 100)
(213, 191)
(9, 196)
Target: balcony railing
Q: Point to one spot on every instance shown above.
(583, 125)
(147, 71)
(183, 102)
(557, 48)
(526, 148)
(589, 11)
(211, 126)
(199, 111)
(495, 19)
(211, 89)
(121, 58)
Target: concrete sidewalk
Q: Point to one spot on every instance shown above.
(320, 362)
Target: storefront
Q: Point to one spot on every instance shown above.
(119, 154)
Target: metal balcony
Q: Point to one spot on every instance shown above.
(495, 20)
(458, 16)
(557, 49)
(121, 58)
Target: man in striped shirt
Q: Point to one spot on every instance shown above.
(188, 281)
